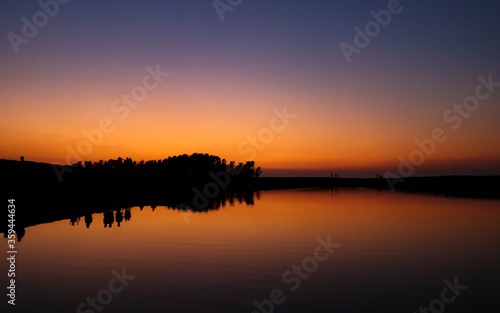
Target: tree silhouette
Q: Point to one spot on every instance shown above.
(191, 169)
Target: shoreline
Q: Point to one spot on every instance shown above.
(35, 208)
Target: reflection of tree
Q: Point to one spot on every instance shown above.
(88, 219)
(20, 231)
(128, 215)
(74, 219)
(118, 215)
(109, 218)
(221, 201)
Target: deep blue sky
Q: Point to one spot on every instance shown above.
(453, 32)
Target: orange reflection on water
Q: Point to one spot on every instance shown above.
(241, 251)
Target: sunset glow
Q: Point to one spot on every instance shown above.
(225, 80)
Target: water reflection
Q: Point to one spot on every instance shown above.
(20, 231)
(396, 250)
(74, 219)
(88, 219)
(116, 216)
(112, 216)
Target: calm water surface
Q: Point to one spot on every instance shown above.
(395, 252)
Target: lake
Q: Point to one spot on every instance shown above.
(315, 250)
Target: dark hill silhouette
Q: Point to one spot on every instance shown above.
(192, 180)
(178, 182)
(181, 179)
(178, 173)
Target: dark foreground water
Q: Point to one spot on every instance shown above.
(290, 251)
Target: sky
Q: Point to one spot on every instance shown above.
(269, 81)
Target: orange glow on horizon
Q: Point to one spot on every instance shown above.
(340, 131)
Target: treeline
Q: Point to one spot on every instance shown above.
(181, 169)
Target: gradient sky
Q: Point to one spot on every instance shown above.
(226, 78)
